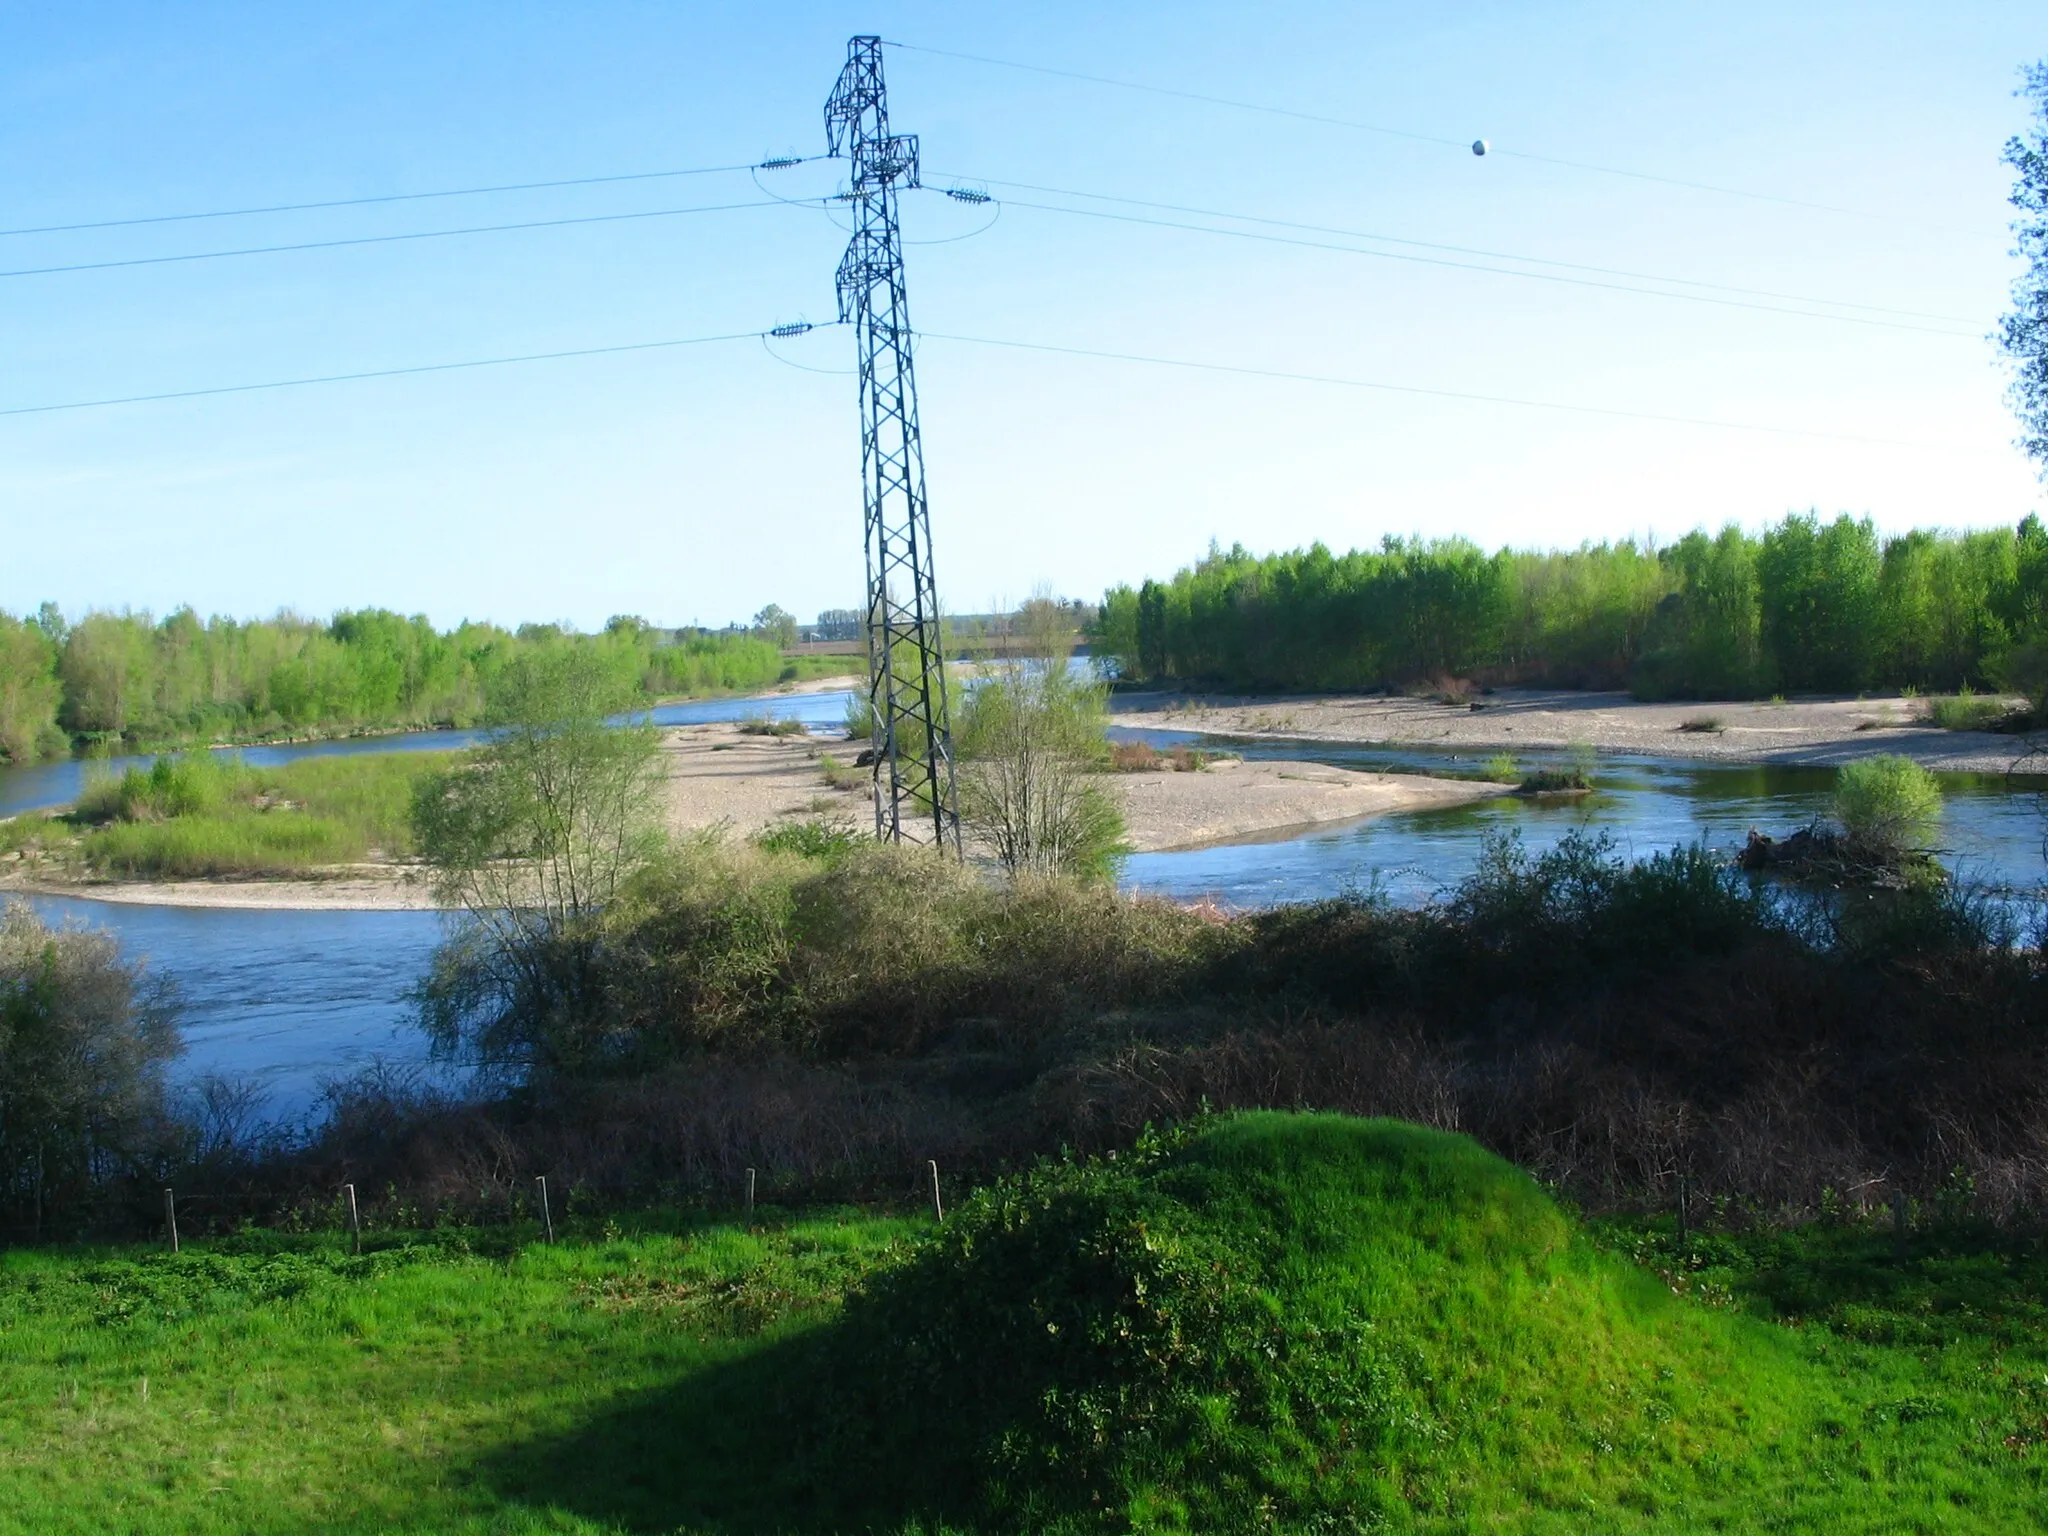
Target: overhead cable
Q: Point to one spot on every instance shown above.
(1191, 364)
(1473, 266)
(779, 163)
(1270, 110)
(1463, 250)
(385, 373)
(1438, 394)
(426, 234)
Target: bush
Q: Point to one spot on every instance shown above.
(85, 1038)
(1967, 711)
(1030, 736)
(809, 839)
(1143, 757)
(763, 725)
(1284, 1322)
(534, 837)
(1888, 806)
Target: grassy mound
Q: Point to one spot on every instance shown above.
(1311, 1323)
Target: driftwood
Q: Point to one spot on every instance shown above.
(1818, 853)
(1800, 849)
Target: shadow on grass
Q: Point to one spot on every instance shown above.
(1941, 1286)
(1945, 1287)
(733, 1449)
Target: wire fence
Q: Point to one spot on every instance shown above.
(141, 1212)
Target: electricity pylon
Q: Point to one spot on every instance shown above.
(912, 742)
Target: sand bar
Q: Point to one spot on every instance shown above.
(723, 777)
(1236, 802)
(1818, 732)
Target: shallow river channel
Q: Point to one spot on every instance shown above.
(293, 999)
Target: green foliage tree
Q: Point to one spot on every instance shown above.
(141, 681)
(85, 1038)
(1818, 594)
(1806, 605)
(29, 690)
(776, 625)
(2023, 332)
(1029, 737)
(532, 839)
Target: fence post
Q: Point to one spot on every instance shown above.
(547, 1218)
(938, 1210)
(750, 1195)
(355, 1222)
(171, 1218)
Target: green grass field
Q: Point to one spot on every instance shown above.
(1453, 1354)
(477, 1381)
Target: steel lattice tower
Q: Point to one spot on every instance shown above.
(913, 744)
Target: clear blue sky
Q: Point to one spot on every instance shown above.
(701, 483)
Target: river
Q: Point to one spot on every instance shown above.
(291, 1000)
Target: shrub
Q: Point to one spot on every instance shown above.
(1029, 736)
(762, 725)
(1888, 806)
(1966, 712)
(809, 839)
(534, 838)
(85, 1038)
(1143, 757)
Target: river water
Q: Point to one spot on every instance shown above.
(292, 1000)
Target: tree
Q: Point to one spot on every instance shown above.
(2023, 334)
(28, 690)
(776, 623)
(1029, 736)
(85, 1038)
(533, 839)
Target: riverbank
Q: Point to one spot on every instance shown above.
(738, 781)
(1817, 732)
(824, 682)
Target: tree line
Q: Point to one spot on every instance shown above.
(131, 679)
(1804, 606)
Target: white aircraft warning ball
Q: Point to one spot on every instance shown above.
(1479, 146)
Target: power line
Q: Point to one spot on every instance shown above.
(1439, 394)
(384, 373)
(1470, 266)
(428, 234)
(1193, 364)
(399, 197)
(1402, 133)
(1464, 250)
